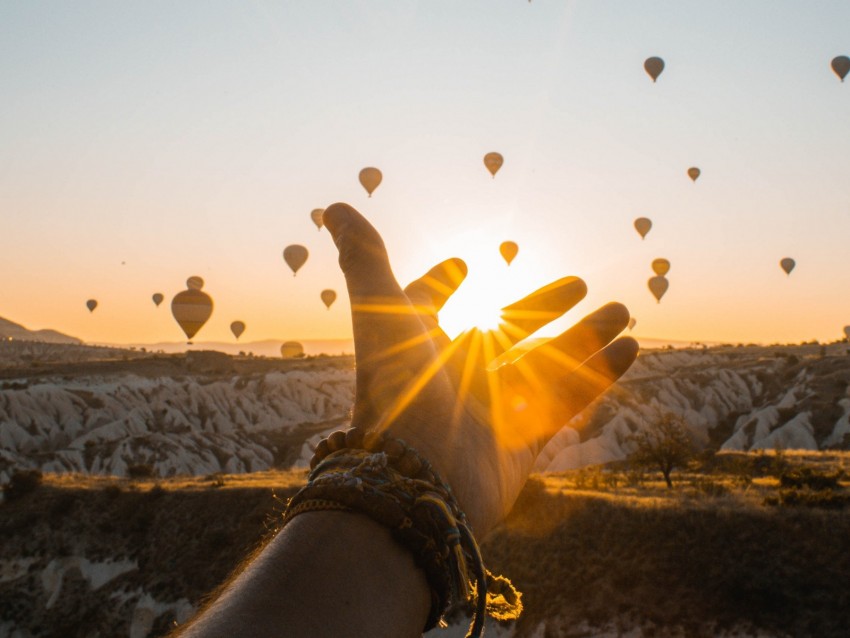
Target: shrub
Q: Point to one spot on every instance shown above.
(588, 478)
(63, 504)
(140, 470)
(635, 476)
(112, 490)
(709, 487)
(21, 483)
(216, 479)
(808, 498)
(802, 477)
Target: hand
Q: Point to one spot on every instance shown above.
(481, 421)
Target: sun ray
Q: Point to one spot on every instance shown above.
(407, 344)
(504, 437)
(558, 357)
(392, 308)
(466, 376)
(418, 384)
(503, 339)
(442, 288)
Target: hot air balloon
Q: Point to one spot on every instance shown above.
(847, 332)
(237, 328)
(509, 250)
(787, 264)
(157, 298)
(295, 256)
(370, 178)
(493, 162)
(291, 350)
(191, 309)
(654, 66)
(660, 266)
(632, 323)
(643, 226)
(841, 66)
(693, 173)
(658, 286)
(194, 283)
(316, 216)
(328, 297)
(91, 304)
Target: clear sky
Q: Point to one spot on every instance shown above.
(194, 138)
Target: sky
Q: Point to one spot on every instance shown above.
(144, 143)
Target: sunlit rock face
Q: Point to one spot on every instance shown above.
(205, 416)
(744, 398)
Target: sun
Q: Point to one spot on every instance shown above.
(490, 285)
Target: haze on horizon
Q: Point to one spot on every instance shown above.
(142, 144)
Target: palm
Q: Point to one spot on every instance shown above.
(478, 412)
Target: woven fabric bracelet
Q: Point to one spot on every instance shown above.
(391, 483)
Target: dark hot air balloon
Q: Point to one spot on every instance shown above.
(295, 256)
(658, 286)
(654, 66)
(291, 350)
(328, 297)
(91, 304)
(694, 173)
(370, 178)
(643, 225)
(237, 328)
(157, 298)
(841, 66)
(191, 309)
(493, 162)
(316, 216)
(787, 264)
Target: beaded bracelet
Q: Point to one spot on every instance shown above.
(390, 482)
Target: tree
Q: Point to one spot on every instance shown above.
(665, 445)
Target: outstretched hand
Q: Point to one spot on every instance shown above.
(480, 419)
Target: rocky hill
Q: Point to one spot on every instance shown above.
(11, 330)
(203, 413)
(197, 414)
(731, 398)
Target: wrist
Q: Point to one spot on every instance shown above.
(390, 482)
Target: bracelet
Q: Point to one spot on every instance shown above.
(390, 482)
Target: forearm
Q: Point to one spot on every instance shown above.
(326, 574)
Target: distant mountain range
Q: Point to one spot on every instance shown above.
(264, 348)
(12, 330)
(271, 347)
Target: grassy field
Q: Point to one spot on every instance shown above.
(726, 551)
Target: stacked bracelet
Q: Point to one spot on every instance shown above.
(391, 483)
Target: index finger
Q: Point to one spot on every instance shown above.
(526, 316)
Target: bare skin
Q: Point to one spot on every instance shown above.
(480, 424)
